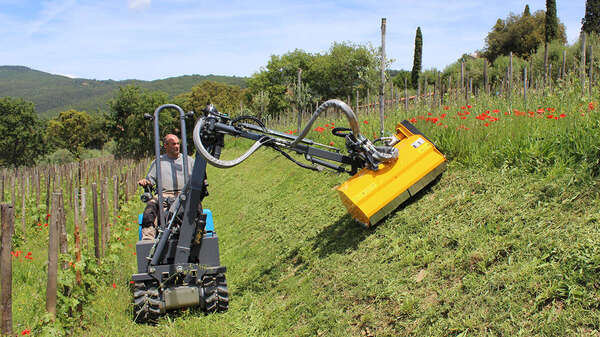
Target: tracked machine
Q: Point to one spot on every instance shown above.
(181, 267)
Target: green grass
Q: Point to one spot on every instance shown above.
(505, 243)
(481, 252)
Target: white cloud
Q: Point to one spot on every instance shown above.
(139, 4)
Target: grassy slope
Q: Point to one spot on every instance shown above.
(482, 252)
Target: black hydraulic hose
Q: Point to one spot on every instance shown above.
(160, 246)
(252, 118)
(283, 153)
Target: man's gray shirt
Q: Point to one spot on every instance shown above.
(171, 173)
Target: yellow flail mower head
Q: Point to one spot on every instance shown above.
(383, 176)
(371, 195)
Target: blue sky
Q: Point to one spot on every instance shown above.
(152, 39)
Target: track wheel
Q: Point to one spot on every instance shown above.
(216, 295)
(146, 303)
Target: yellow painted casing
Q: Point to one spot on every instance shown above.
(371, 195)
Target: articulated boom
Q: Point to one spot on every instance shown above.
(383, 176)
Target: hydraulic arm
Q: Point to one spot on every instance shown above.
(383, 176)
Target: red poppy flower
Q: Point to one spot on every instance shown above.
(540, 111)
(331, 143)
(413, 120)
(549, 116)
(562, 116)
(131, 282)
(446, 107)
(25, 332)
(463, 117)
(469, 107)
(443, 115)
(495, 111)
(320, 129)
(134, 253)
(486, 124)
(463, 108)
(114, 285)
(366, 122)
(47, 216)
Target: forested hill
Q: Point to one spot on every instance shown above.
(54, 93)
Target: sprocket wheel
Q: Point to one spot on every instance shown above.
(146, 303)
(216, 295)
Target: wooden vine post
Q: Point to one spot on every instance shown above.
(62, 221)
(83, 218)
(582, 66)
(7, 223)
(96, 229)
(382, 87)
(53, 238)
(23, 194)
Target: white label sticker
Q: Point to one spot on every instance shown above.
(418, 143)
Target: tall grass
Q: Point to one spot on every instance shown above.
(549, 130)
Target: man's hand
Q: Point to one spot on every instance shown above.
(144, 182)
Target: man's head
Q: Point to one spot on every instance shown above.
(171, 143)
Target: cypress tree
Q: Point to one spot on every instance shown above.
(416, 70)
(526, 12)
(551, 21)
(591, 20)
